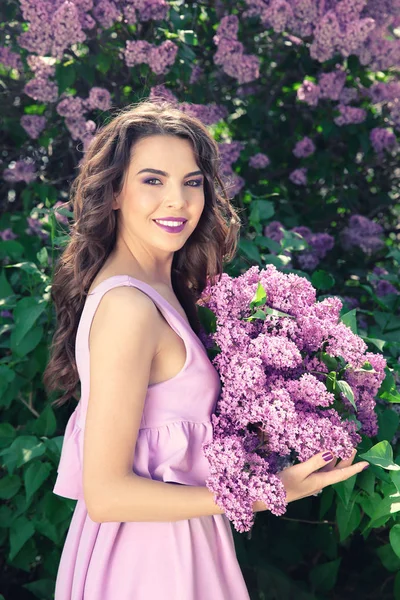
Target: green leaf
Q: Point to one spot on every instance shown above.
(344, 489)
(7, 433)
(207, 318)
(376, 342)
(330, 361)
(249, 248)
(389, 559)
(322, 280)
(350, 320)
(265, 209)
(34, 476)
(31, 339)
(260, 297)
(65, 76)
(385, 508)
(394, 538)
(26, 313)
(46, 424)
(293, 241)
(345, 389)
(277, 313)
(388, 422)
(23, 449)
(323, 577)
(381, 455)
(9, 486)
(20, 531)
(395, 477)
(41, 588)
(265, 243)
(259, 314)
(348, 519)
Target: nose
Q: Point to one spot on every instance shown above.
(176, 197)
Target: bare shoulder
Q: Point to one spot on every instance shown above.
(124, 309)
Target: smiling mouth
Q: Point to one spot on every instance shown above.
(170, 226)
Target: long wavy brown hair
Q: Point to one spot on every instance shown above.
(94, 229)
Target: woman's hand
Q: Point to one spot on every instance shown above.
(311, 476)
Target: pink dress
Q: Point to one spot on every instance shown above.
(190, 559)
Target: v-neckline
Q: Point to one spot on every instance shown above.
(146, 285)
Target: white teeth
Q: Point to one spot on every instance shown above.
(170, 223)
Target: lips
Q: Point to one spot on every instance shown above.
(171, 228)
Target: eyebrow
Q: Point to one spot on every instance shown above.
(159, 172)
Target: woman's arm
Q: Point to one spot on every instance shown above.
(124, 338)
(137, 498)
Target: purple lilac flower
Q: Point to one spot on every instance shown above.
(35, 228)
(33, 125)
(230, 52)
(349, 115)
(207, 113)
(99, 98)
(363, 233)
(6, 314)
(331, 84)
(382, 139)
(7, 234)
(259, 161)
(304, 148)
(21, 170)
(274, 404)
(10, 59)
(383, 288)
(299, 176)
(309, 92)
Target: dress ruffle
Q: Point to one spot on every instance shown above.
(171, 452)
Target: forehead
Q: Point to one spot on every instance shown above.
(162, 148)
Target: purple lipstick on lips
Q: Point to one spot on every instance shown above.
(171, 224)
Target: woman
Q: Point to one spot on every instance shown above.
(152, 222)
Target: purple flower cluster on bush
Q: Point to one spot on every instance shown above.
(363, 233)
(230, 53)
(319, 243)
(275, 385)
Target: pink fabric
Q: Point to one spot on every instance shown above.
(190, 559)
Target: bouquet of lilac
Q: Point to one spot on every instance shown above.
(296, 380)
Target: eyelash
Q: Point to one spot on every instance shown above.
(198, 181)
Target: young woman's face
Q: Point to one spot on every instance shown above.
(147, 197)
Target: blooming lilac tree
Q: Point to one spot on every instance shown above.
(303, 99)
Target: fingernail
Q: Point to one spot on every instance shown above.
(366, 467)
(327, 456)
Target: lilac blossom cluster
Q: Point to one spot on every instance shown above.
(159, 58)
(363, 233)
(382, 287)
(382, 139)
(305, 147)
(259, 161)
(230, 52)
(229, 153)
(299, 176)
(207, 113)
(336, 27)
(319, 243)
(276, 406)
(20, 170)
(33, 125)
(55, 26)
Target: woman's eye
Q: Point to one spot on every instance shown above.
(198, 182)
